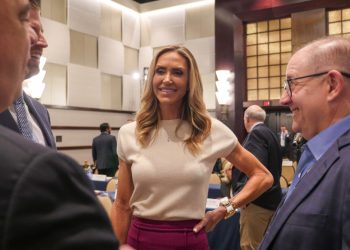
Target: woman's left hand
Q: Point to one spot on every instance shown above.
(210, 219)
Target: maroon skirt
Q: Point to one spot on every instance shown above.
(147, 234)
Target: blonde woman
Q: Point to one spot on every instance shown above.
(166, 158)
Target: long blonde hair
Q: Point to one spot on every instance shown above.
(193, 108)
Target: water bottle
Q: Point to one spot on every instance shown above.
(87, 169)
(89, 172)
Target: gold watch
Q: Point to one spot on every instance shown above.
(230, 208)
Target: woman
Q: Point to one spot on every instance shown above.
(166, 157)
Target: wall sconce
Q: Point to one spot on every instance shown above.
(143, 80)
(145, 73)
(34, 86)
(224, 91)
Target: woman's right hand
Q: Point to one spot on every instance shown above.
(210, 219)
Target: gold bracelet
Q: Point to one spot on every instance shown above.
(230, 208)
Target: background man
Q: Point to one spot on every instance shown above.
(284, 138)
(264, 145)
(37, 115)
(316, 211)
(104, 148)
(46, 200)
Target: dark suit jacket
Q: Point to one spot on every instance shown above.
(104, 148)
(316, 215)
(47, 201)
(41, 115)
(265, 146)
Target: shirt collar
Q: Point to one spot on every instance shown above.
(254, 125)
(320, 143)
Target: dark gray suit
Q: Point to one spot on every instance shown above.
(104, 153)
(39, 112)
(264, 145)
(47, 202)
(316, 216)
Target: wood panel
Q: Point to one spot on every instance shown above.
(307, 26)
(255, 10)
(74, 147)
(88, 109)
(79, 128)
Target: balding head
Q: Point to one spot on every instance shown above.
(252, 115)
(255, 113)
(328, 53)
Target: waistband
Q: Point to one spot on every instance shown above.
(155, 225)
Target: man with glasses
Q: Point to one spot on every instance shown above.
(315, 214)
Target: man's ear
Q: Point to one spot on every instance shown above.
(335, 84)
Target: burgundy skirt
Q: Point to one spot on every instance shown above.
(147, 234)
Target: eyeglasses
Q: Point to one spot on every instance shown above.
(288, 83)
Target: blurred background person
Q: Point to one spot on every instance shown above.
(263, 143)
(35, 118)
(298, 143)
(167, 156)
(104, 151)
(46, 200)
(217, 167)
(284, 139)
(226, 178)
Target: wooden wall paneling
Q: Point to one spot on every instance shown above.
(224, 52)
(307, 26)
(256, 10)
(240, 87)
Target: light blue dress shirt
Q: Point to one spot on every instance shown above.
(316, 147)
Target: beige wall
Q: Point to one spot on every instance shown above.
(95, 47)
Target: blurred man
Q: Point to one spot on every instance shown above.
(284, 138)
(104, 151)
(14, 48)
(316, 210)
(37, 115)
(36, 49)
(47, 202)
(262, 142)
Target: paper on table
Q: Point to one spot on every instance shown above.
(99, 177)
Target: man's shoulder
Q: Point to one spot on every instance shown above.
(103, 136)
(10, 139)
(260, 126)
(339, 155)
(262, 130)
(18, 154)
(343, 147)
(344, 140)
(111, 137)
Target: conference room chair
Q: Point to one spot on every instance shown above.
(214, 179)
(288, 171)
(283, 182)
(112, 185)
(106, 203)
